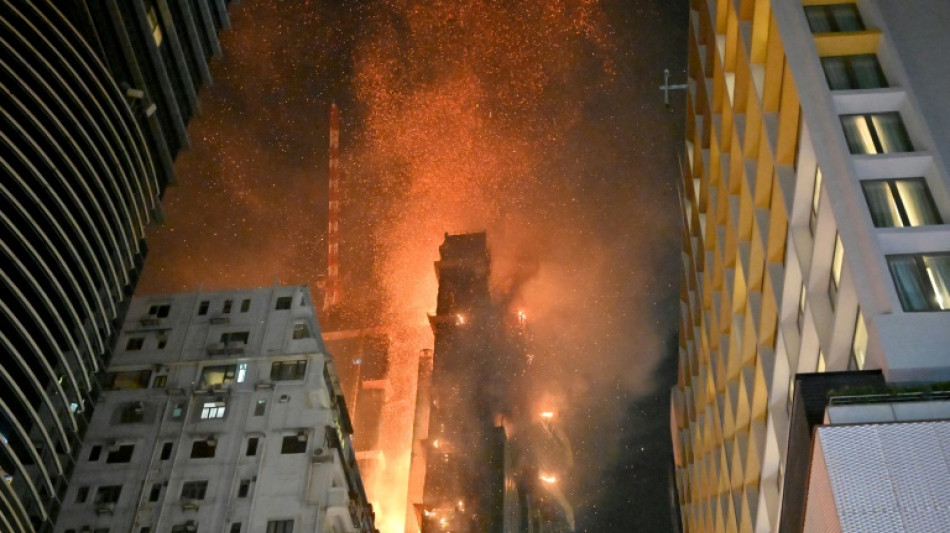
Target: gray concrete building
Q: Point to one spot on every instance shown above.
(219, 412)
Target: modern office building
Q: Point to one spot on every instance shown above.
(81, 174)
(219, 412)
(814, 193)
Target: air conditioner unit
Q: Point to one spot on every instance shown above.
(264, 384)
(212, 441)
(138, 407)
(115, 445)
(301, 436)
(220, 320)
(321, 455)
(191, 525)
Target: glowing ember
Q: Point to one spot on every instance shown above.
(435, 443)
(460, 319)
(547, 479)
(547, 415)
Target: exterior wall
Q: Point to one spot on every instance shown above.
(160, 369)
(762, 299)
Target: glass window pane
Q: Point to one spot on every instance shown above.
(938, 273)
(859, 345)
(917, 203)
(818, 20)
(837, 73)
(846, 17)
(881, 203)
(891, 133)
(867, 72)
(912, 289)
(858, 135)
(836, 261)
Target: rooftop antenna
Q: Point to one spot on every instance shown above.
(333, 215)
(666, 87)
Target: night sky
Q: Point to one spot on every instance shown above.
(538, 122)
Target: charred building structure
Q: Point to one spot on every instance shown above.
(94, 101)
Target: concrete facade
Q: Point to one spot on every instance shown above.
(815, 191)
(220, 412)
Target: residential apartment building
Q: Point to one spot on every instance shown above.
(81, 175)
(815, 191)
(220, 412)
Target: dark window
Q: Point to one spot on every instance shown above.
(287, 370)
(236, 527)
(160, 311)
(251, 446)
(145, 529)
(226, 308)
(879, 133)
(922, 281)
(94, 453)
(194, 490)
(131, 412)
(203, 449)
(259, 407)
(244, 488)
(134, 344)
(189, 527)
(853, 72)
(162, 341)
(280, 526)
(245, 305)
(284, 302)
(294, 444)
(155, 493)
(203, 307)
(301, 331)
(82, 494)
(833, 18)
(166, 451)
(108, 494)
(898, 203)
(120, 454)
(235, 336)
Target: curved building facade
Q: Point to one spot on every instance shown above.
(77, 188)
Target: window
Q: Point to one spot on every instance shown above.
(159, 382)
(244, 488)
(82, 494)
(217, 375)
(108, 494)
(245, 305)
(802, 300)
(879, 133)
(178, 411)
(135, 344)
(212, 410)
(131, 412)
(155, 493)
(815, 201)
(155, 26)
(226, 308)
(834, 18)
(898, 203)
(236, 527)
(128, 379)
(203, 308)
(853, 72)
(159, 311)
(296, 443)
(162, 341)
(251, 446)
(94, 453)
(203, 449)
(837, 259)
(822, 366)
(166, 451)
(194, 490)
(283, 302)
(241, 372)
(287, 370)
(188, 527)
(259, 407)
(239, 337)
(121, 454)
(280, 526)
(301, 330)
(859, 345)
(922, 281)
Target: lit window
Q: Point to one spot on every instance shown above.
(159, 381)
(288, 370)
(194, 490)
(821, 361)
(241, 372)
(859, 345)
(853, 72)
(837, 259)
(802, 300)
(213, 410)
(831, 18)
(155, 26)
(815, 200)
(922, 281)
(178, 411)
(879, 133)
(217, 375)
(899, 203)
